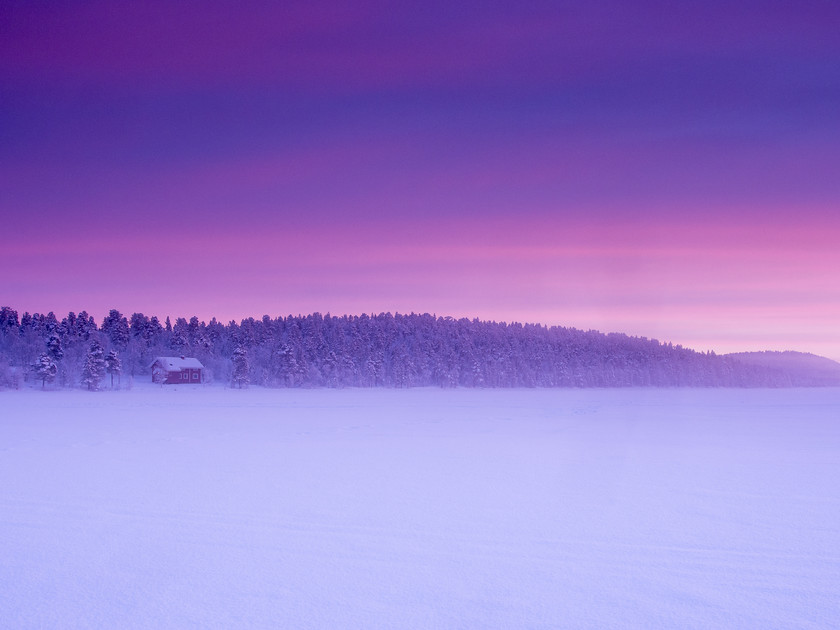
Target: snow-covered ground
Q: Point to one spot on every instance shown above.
(203, 507)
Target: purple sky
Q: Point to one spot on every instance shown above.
(657, 168)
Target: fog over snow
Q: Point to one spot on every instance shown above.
(206, 507)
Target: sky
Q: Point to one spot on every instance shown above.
(664, 169)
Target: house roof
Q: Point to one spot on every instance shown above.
(175, 364)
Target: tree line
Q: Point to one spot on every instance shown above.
(385, 350)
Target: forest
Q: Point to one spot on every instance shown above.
(384, 350)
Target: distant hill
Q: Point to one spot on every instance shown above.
(802, 368)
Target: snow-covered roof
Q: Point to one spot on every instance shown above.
(175, 364)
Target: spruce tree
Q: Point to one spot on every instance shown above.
(113, 365)
(85, 325)
(241, 369)
(94, 369)
(8, 318)
(45, 369)
(54, 348)
(117, 329)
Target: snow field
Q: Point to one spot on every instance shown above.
(203, 507)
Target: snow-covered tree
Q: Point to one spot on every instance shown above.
(54, 348)
(8, 319)
(286, 366)
(385, 350)
(94, 368)
(45, 369)
(241, 368)
(117, 329)
(179, 341)
(139, 326)
(85, 325)
(113, 365)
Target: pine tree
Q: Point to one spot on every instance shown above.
(113, 365)
(138, 325)
(241, 369)
(8, 319)
(85, 325)
(286, 366)
(94, 369)
(54, 348)
(117, 329)
(45, 369)
(179, 341)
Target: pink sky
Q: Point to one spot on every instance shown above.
(660, 171)
(725, 289)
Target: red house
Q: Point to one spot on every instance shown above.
(174, 370)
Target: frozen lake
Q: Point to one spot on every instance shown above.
(216, 508)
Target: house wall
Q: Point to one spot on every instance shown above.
(187, 375)
(173, 378)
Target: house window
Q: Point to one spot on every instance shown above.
(185, 376)
(195, 376)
